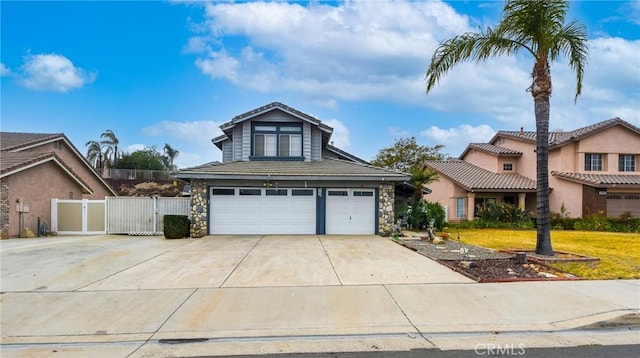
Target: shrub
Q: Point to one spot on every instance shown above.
(176, 226)
(422, 213)
(503, 215)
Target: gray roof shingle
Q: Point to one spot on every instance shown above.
(326, 169)
(604, 180)
(14, 140)
(473, 178)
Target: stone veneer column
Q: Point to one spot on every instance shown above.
(4, 210)
(386, 214)
(199, 208)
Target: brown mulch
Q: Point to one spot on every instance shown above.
(489, 265)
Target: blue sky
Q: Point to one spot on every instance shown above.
(171, 72)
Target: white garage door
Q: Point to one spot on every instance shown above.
(618, 204)
(262, 211)
(350, 211)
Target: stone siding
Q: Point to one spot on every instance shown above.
(199, 208)
(386, 213)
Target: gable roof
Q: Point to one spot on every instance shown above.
(15, 142)
(558, 139)
(601, 180)
(491, 149)
(15, 162)
(327, 169)
(473, 178)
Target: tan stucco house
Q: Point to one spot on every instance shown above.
(592, 170)
(281, 175)
(37, 167)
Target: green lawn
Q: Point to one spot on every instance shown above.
(619, 253)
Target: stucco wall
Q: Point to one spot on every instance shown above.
(566, 192)
(79, 166)
(482, 159)
(445, 192)
(610, 142)
(526, 164)
(51, 181)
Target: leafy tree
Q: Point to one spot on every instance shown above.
(146, 159)
(406, 154)
(538, 28)
(170, 154)
(110, 141)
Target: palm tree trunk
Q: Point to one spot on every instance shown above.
(543, 226)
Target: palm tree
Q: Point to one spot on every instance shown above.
(536, 27)
(421, 177)
(111, 142)
(172, 154)
(94, 154)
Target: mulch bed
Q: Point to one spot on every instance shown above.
(488, 265)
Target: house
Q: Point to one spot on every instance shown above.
(280, 174)
(592, 170)
(35, 168)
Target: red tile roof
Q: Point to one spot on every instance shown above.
(601, 180)
(473, 178)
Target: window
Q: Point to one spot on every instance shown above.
(362, 193)
(593, 162)
(460, 207)
(223, 191)
(302, 192)
(338, 193)
(276, 192)
(277, 140)
(250, 191)
(507, 167)
(627, 163)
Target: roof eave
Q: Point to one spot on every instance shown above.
(350, 177)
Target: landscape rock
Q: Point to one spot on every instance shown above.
(438, 240)
(467, 264)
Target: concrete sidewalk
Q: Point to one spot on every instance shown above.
(146, 297)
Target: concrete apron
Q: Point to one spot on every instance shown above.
(393, 299)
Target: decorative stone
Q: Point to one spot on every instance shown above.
(467, 264)
(546, 275)
(438, 240)
(521, 258)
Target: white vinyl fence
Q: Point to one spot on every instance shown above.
(115, 215)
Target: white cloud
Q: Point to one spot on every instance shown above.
(353, 50)
(398, 133)
(341, 136)
(134, 148)
(456, 139)
(361, 51)
(52, 72)
(191, 139)
(4, 70)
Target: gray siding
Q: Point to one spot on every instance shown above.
(246, 140)
(227, 151)
(306, 141)
(237, 143)
(316, 144)
(275, 116)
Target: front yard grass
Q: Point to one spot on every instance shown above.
(619, 253)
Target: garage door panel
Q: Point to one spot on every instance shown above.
(621, 203)
(350, 211)
(278, 213)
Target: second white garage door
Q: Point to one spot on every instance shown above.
(350, 211)
(262, 211)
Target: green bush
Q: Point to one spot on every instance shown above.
(176, 226)
(422, 212)
(503, 215)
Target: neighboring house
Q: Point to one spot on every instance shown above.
(280, 175)
(593, 170)
(35, 168)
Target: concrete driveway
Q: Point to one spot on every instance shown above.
(122, 296)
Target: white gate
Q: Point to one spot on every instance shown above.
(73, 217)
(142, 215)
